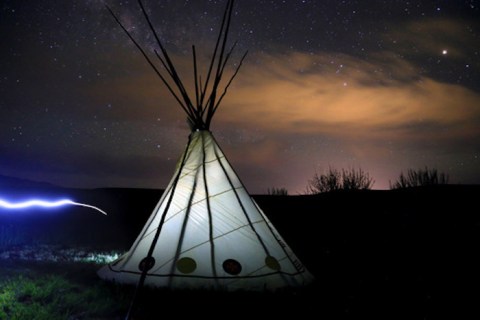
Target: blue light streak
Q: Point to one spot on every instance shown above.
(45, 204)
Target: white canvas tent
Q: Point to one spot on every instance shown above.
(206, 231)
(213, 234)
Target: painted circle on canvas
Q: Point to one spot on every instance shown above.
(146, 264)
(272, 263)
(186, 265)
(232, 266)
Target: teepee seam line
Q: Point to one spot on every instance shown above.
(209, 210)
(237, 196)
(184, 224)
(209, 277)
(205, 242)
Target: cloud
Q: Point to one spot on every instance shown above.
(323, 93)
(348, 96)
(286, 114)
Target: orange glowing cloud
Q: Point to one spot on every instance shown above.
(325, 93)
(344, 96)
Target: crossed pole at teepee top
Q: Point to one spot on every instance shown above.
(199, 112)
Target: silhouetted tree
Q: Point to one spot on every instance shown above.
(356, 180)
(419, 177)
(333, 179)
(324, 182)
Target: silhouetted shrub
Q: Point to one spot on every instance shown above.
(419, 177)
(277, 191)
(333, 179)
(356, 180)
(324, 182)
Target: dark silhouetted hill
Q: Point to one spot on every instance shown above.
(407, 253)
(12, 182)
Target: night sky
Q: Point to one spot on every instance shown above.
(381, 85)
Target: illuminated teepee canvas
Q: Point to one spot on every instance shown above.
(206, 231)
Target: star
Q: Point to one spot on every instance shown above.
(72, 84)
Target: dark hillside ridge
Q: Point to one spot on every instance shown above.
(410, 251)
(382, 253)
(12, 182)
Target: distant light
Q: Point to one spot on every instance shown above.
(444, 52)
(44, 204)
(99, 258)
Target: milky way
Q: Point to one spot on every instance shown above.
(382, 85)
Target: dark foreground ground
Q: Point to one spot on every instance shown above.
(403, 254)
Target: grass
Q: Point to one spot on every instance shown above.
(42, 291)
(72, 290)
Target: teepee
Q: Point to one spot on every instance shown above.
(206, 231)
